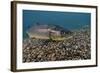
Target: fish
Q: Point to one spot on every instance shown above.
(45, 31)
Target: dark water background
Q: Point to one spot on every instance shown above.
(67, 20)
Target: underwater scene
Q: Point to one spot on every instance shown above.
(56, 36)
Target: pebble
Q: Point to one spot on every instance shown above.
(40, 50)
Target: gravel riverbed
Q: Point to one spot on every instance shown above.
(75, 48)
